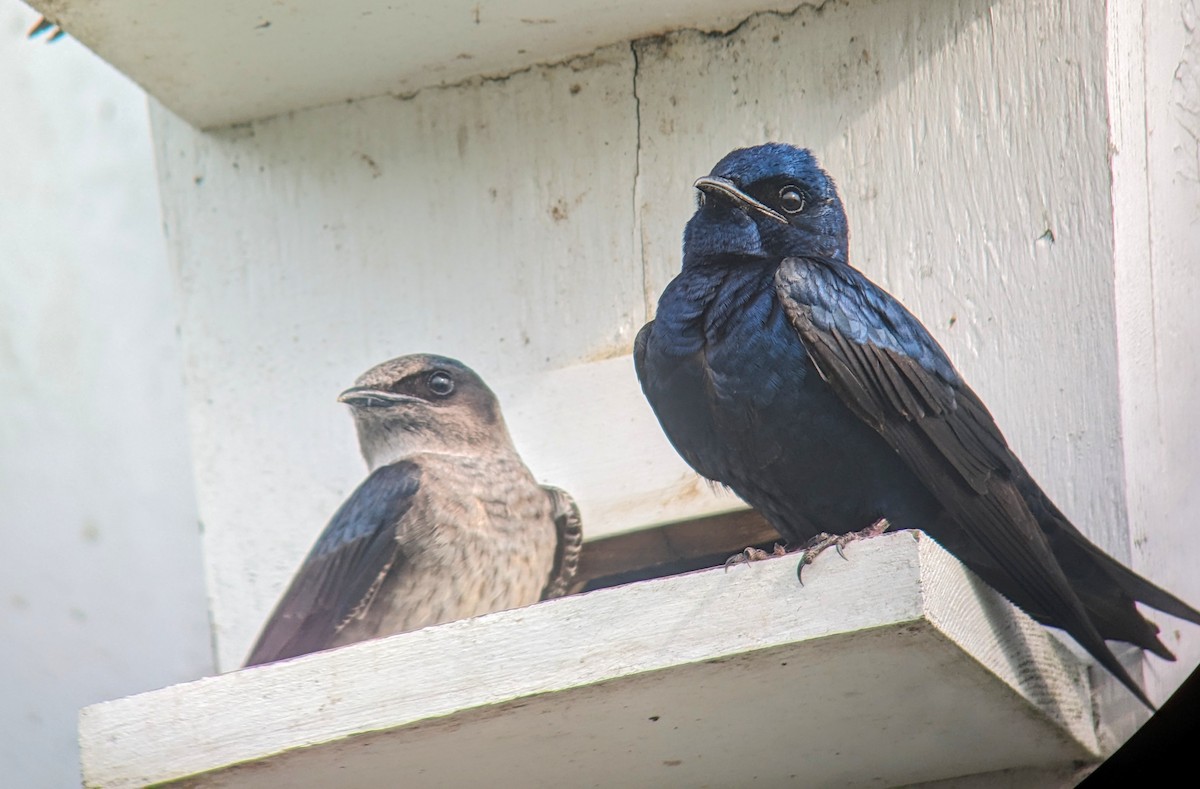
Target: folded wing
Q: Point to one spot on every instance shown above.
(345, 568)
(887, 369)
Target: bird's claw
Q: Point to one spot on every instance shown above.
(752, 554)
(839, 541)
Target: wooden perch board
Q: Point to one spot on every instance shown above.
(892, 667)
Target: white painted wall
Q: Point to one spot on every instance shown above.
(1156, 185)
(101, 591)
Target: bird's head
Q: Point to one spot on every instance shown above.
(424, 403)
(771, 201)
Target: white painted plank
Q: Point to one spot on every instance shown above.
(228, 61)
(712, 678)
(1133, 284)
(1158, 269)
(488, 222)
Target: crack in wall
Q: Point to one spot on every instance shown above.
(580, 61)
(577, 62)
(639, 243)
(636, 45)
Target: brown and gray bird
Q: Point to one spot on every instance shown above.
(450, 523)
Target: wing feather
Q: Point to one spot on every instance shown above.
(345, 568)
(895, 377)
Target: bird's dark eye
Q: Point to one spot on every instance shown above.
(791, 199)
(440, 383)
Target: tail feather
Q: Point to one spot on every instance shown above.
(1139, 588)
(1110, 612)
(1117, 619)
(1108, 588)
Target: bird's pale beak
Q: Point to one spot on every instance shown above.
(366, 397)
(714, 185)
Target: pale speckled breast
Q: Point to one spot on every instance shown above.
(480, 537)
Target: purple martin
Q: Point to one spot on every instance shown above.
(449, 524)
(778, 369)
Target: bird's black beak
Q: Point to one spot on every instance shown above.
(366, 397)
(714, 185)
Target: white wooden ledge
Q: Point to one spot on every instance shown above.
(894, 667)
(220, 62)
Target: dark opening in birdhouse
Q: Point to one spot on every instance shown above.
(671, 549)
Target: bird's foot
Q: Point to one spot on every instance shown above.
(839, 541)
(753, 554)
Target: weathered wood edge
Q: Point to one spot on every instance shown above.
(1008, 643)
(217, 722)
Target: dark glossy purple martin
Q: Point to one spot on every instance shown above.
(781, 371)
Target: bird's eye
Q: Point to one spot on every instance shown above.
(440, 383)
(791, 199)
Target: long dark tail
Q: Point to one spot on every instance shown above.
(1107, 588)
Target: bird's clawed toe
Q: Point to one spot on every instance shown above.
(823, 541)
(752, 554)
